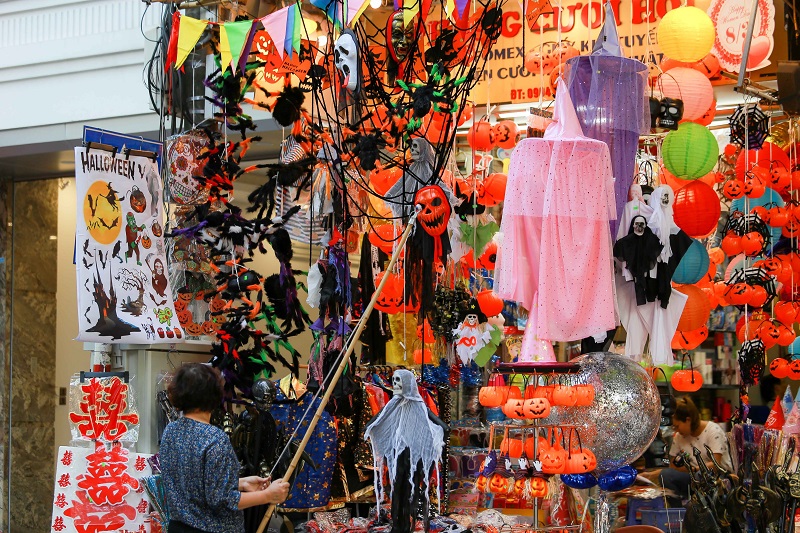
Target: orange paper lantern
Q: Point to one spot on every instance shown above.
(695, 313)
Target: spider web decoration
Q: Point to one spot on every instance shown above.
(751, 361)
(749, 126)
(755, 277)
(742, 224)
(345, 138)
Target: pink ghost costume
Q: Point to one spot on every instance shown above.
(556, 257)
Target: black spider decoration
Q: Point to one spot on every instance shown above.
(742, 224)
(367, 148)
(749, 126)
(492, 23)
(755, 277)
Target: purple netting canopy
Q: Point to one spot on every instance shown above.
(610, 96)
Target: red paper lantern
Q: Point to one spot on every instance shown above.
(696, 209)
(695, 313)
(481, 136)
(689, 340)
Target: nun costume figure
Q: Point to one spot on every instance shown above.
(402, 434)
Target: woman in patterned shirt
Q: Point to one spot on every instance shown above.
(198, 465)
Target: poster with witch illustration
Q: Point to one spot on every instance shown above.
(123, 292)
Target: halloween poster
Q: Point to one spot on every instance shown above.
(100, 488)
(123, 290)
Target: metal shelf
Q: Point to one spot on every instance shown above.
(543, 367)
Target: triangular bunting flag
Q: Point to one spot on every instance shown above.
(225, 55)
(426, 8)
(237, 33)
(461, 8)
(410, 11)
(275, 25)
(355, 8)
(775, 420)
(331, 10)
(290, 25)
(190, 32)
(450, 7)
(535, 9)
(792, 425)
(787, 401)
(248, 46)
(298, 29)
(172, 48)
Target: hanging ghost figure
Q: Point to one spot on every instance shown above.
(400, 197)
(403, 434)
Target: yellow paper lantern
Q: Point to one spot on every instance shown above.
(686, 34)
(691, 87)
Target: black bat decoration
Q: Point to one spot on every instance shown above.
(114, 223)
(86, 249)
(103, 260)
(86, 313)
(157, 302)
(87, 265)
(115, 251)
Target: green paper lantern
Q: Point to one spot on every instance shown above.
(690, 152)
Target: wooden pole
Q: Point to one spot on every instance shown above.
(340, 369)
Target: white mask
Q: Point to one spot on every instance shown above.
(397, 385)
(345, 57)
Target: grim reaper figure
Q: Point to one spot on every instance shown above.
(403, 434)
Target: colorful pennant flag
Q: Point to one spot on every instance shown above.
(248, 46)
(236, 35)
(288, 37)
(355, 8)
(787, 401)
(775, 420)
(172, 48)
(411, 11)
(331, 10)
(275, 26)
(190, 32)
(297, 28)
(225, 55)
(461, 8)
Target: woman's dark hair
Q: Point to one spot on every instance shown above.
(685, 409)
(196, 387)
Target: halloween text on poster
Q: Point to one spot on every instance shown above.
(100, 489)
(123, 292)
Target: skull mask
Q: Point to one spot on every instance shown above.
(397, 385)
(263, 393)
(671, 113)
(639, 224)
(434, 209)
(345, 57)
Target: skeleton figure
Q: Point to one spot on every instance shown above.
(671, 113)
(346, 58)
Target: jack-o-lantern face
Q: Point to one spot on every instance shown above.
(580, 462)
(519, 485)
(209, 328)
(184, 316)
(216, 305)
(156, 229)
(146, 242)
(553, 460)
(498, 484)
(434, 209)
(481, 483)
(733, 189)
(538, 486)
(777, 216)
(137, 200)
(565, 50)
(193, 329)
(794, 370)
(186, 296)
(753, 185)
(514, 408)
(779, 367)
(179, 304)
(536, 408)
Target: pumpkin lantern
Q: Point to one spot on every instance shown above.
(505, 134)
(733, 189)
(514, 408)
(687, 380)
(584, 394)
(490, 303)
(494, 394)
(580, 460)
(537, 486)
(511, 447)
(493, 189)
(731, 244)
(553, 459)
(481, 136)
(565, 395)
(536, 408)
(779, 367)
(794, 370)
